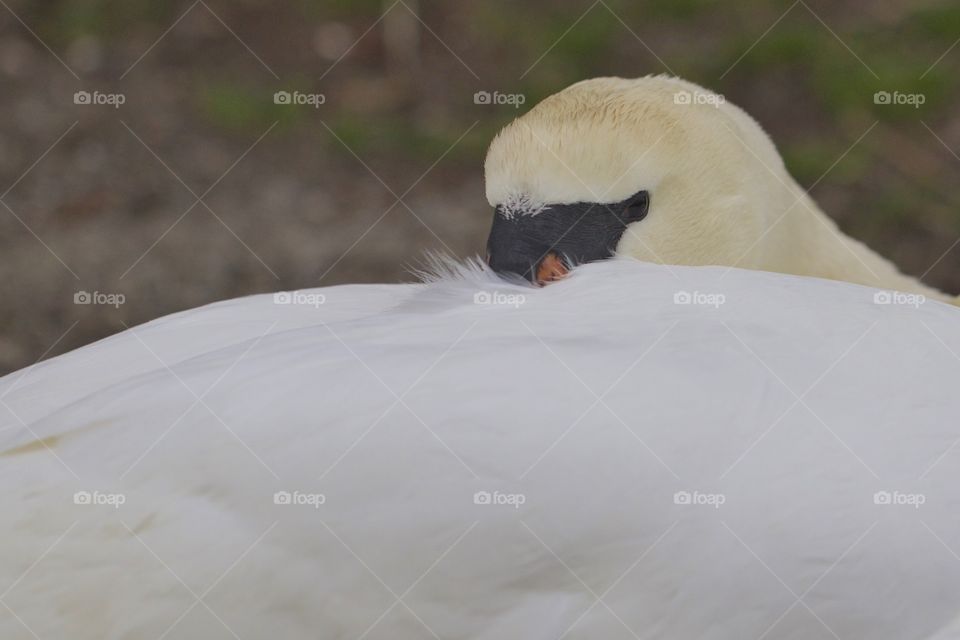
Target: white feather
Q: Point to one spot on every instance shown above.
(795, 399)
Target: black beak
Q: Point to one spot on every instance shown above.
(518, 248)
(543, 246)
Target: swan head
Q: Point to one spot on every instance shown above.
(655, 168)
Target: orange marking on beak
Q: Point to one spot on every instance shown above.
(551, 269)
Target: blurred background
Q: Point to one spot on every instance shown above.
(146, 165)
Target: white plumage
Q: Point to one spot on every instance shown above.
(590, 411)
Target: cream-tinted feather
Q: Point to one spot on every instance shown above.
(720, 194)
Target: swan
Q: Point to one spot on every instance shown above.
(650, 447)
(636, 450)
(665, 171)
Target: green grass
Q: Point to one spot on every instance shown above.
(238, 108)
(343, 8)
(939, 23)
(395, 136)
(62, 21)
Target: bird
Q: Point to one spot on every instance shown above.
(636, 450)
(694, 447)
(666, 171)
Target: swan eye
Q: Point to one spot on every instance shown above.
(637, 207)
